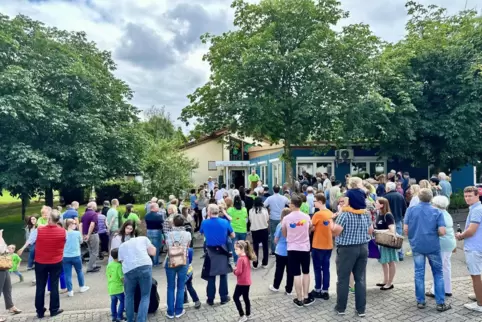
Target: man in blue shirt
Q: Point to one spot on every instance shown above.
(445, 185)
(424, 224)
(473, 245)
(72, 212)
(275, 204)
(216, 232)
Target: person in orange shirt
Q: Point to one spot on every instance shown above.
(322, 247)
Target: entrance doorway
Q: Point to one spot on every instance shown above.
(238, 178)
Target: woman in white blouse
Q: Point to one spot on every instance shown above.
(259, 219)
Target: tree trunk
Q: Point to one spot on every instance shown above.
(49, 197)
(287, 157)
(25, 199)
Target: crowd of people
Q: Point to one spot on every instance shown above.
(297, 227)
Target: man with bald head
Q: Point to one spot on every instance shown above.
(89, 229)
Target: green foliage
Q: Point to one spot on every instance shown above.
(432, 79)
(127, 191)
(79, 194)
(159, 126)
(457, 201)
(166, 170)
(65, 119)
(282, 70)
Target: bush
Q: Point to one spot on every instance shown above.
(127, 191)
(69, 194)
(457, 201)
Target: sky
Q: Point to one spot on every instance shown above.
(156, 45)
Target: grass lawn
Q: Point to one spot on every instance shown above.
(11, 216)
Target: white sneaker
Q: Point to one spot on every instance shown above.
(264, 266)
(84, 289)
(273, 289)
(181, 314)
(472, 297)
(474, 307)
(70, 294)
(289, 294)
(244, 318)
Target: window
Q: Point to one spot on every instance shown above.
(312, 165)
(263, 173)
(308, 167)
(478, 172)
(377, 168)
(324, 167)
(277, 174)
(212, 166)
(368, 166)
(358, 168)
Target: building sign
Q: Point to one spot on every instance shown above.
(232, 163)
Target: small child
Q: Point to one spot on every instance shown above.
(281, 254)
(115, 286)
(305, 208)
(356, 197)
(15, 261)
(189, 288)
(242, 270)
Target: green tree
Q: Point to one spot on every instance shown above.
(285, 74)
(432, 79)
(65, 118)
(159, 126)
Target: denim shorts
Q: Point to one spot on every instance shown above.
(473, 259)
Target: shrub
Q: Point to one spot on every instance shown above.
(69, 194)
(457, 201)
(127, 191)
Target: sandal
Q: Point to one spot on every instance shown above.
(380, 284)
(14, 310)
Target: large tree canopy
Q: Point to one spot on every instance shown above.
(65, 119)
(433, 80)
(285, 74)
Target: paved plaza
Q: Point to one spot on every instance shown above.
(395, 305)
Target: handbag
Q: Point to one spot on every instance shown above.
(6, 262)
(373, 251)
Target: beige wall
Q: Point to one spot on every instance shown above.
(202, 153)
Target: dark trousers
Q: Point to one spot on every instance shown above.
(198, 217)
(191, 290)
(104, 242)
(42, 273)
(261, 236)
(244, 291)
(351, 259)
(281, 266)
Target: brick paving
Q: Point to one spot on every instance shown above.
(396, 305)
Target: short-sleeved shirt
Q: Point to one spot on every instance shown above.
(113, 219)
(132, 216)
(216, 231)
(89, 217)
(70, 214)
(114, 278)
(446, 188)
(72, 244)
(448, 242)
(239, 219)
(192, 200)
(384, 221)
(276, 203)
(133, 253)
(281, 246)
(474, 243)
(355, 229)
(15, 262)
(297, 225)
(42, 221)
(423, 222)
(322, 235)
(253, 178)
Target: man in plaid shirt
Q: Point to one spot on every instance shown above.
(353, 234)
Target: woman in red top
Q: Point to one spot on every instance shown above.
(242, 270)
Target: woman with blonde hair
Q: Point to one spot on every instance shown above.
(388, 256)
(414, 190)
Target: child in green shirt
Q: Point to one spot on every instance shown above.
(115, 286)
(15, 261)
(305, 208)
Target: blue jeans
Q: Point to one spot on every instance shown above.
(68, 263)
(435, 261)
(175, 289)
(141, 276)
(115, 311)
(238, 236)
(155, 236)
(191, 290)
(272, 229)
(223, 288)
(321, 263)
(399, 228)
(31, 256)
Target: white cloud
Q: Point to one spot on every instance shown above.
(156, 42)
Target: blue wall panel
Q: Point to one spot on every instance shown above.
(462, 178)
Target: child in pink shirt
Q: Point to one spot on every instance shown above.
(242, 270)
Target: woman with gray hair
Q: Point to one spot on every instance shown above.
(447, 244)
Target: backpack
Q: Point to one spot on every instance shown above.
(176, 252)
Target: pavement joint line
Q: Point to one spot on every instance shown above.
(162, 307)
